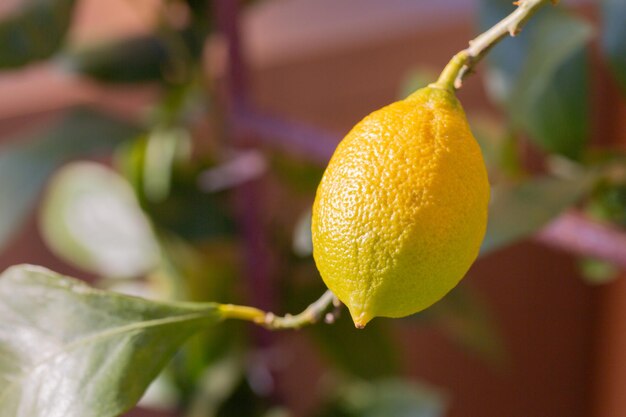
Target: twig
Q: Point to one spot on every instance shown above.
(312, 314)
(463, 62)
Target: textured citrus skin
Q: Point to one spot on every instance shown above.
(401, 210)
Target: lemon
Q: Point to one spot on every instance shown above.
(401, 210)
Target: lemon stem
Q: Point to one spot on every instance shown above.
(463, 62)
(312, 314)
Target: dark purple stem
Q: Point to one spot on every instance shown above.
(248, 196)
(227, 12)
(288, 136)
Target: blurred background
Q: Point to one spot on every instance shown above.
(171, 149)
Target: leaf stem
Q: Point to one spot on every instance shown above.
(310, 315)
(463, 62)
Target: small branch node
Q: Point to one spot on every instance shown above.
(514, 30)
(269, 319)
(336, 302)
(463, 62)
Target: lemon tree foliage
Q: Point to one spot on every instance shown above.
(541, 77)
(386, 397)
(614, 38)
(91, 218)
(519, 210)
(69, 350)
(402, 207)
(139, 59)
(34, 31)
(357, 348)
(27, 161)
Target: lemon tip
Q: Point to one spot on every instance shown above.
(361, 320)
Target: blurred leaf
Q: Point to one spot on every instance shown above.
(551, 98)
(34, 32)
(182, 104)
(417, 79)
(278, 412)
(67, 349)
(143, 58)
(168, 56)
(187, 210)
(598, 272)
(302, 239)
(26, 162)
(302, 176)
(134, 60)
(506, 59)
(201, 273)
(192, 213)
(164, 148)
(352, 350)
(386, 398)
(541, 76)
(499, 148)
(518, 210)
(467, 319)
(614, 38)
(608, 202)
(91, 218)
(244, 401)
(161, 394)
(216, 385)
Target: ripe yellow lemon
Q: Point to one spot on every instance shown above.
(401, 210)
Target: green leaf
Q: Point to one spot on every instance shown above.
(388, 397)
(139, 59)
(300, 175)
(352, 350)
(506, 59)
(517, 211)
(67, 349)
(613, 39)
(27, 162)
(302, 243)
(416, 79)
(216, 385)
(91, 218)
(597, 272)
(468, 320)
(499, 148)
(164, 148)
(35, 32)
(550, 99)
(146, 58)
(541, 77)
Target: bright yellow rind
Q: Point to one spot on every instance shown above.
(401, 210)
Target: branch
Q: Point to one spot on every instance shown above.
(463, 62)
(310, 315)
